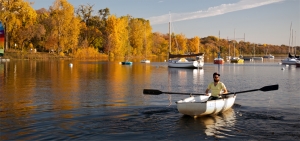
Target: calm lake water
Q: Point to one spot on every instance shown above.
(103, 100)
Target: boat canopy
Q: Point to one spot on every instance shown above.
(184, 55)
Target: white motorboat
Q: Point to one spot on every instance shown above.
(199, 105)
(186, 61)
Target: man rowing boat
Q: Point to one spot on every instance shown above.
(216, 87)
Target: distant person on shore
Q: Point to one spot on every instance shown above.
(217, 88)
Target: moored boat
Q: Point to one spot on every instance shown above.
(228, 58)
(126, 63)
(236, 60)
(289, 61)
(200, 105)
(145, 61)
(269, 56)
(186, 61)
(258, 58)
(247, 58)
(219, 61)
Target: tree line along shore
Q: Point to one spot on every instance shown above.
(62, 31)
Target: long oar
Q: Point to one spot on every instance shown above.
(158, 92)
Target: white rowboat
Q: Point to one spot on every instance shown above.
(199, 106)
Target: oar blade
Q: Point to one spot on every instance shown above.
(152, 92)
(270, 88)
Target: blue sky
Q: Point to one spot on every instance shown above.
(262, 21)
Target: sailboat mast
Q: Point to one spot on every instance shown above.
(170, 37)
(219, 55)
(290, 37)
(295, 44)
(145, 43)
(234, 43)
(170, 32)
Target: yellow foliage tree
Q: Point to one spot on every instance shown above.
(118, 40)
(193, 44)
(137, 35)
(15, 14)
(67, 27)
(181, 40)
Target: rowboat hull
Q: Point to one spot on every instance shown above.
(199, 106)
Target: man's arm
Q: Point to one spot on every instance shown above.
(206, 91)
(225, 90)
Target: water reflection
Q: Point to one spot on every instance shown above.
(214, 125)
(182, 78)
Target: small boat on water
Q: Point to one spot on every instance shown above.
(247, 58)
(236, 60)
(269, 56)
(200, 105)
(126, 63)
(289, 61)
(258, 58)
(196, 106)
(186, 61)
(145, 61)
(219, 60)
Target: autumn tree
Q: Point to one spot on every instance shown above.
(66, 26)
(140, 36)
(118, 36)
(193, 44)
(160, 44)
(15, 14)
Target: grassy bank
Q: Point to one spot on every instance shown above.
(19, 55)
